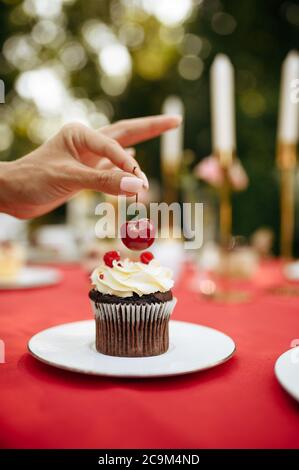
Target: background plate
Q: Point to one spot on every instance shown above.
(33, 276)
(287, 371)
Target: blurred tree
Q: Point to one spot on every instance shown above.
(95, 61)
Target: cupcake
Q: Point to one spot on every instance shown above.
(132, 303)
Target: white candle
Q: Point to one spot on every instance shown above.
(222, 101)
(288, 121)
(172, 141)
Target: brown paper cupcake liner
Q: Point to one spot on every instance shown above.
(132, 330)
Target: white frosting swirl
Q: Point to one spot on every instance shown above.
(132, 277)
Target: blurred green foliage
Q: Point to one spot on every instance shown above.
(255, 35)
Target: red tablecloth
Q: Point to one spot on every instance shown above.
(238, 404)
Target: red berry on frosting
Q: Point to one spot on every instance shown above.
(146, 257)
(111, 256)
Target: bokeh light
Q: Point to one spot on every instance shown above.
(97, 35)
(6, 137)
(253, 103)
(73, 56)
(44, 8)
(21, 51)
(207, 287)
(44, 31)
(114, 85)
(44, 87)
(223, 23)
(191, 44)
(190, 67)
(292, 13)
(115, 60)
(168, 13)
(172, 36)
(131, 34)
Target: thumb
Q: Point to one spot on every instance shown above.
(110, 181)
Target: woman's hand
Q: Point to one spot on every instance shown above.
(78, 158)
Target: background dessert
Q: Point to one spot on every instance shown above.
(132, 302)
(12, 259)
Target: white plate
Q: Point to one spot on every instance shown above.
(287, 371)
(192, 348)
(32, 276)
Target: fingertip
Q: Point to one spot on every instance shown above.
(176, 119)
(131, 151)
(173, 120)
(145, 181)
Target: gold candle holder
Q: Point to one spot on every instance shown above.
(226, 160)
(170, 181)
(286, 163)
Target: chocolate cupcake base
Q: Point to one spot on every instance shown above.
(154, 298)
(132, 330)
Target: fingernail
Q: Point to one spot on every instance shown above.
(145, 180)
(131, 151)
(177, 118)
(131, 184)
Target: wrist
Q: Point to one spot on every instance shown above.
(6, 178)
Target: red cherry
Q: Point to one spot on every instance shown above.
(110, 256)
(138, 234)
(146, 257)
